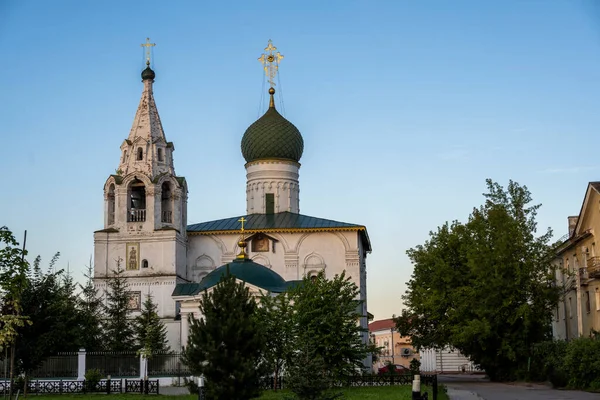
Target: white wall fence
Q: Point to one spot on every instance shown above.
(446, 361)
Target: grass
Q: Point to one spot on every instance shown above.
(379, 393)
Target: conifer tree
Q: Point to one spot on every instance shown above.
(91, 310)
(150, 331)
(226, 343)
(118, 332)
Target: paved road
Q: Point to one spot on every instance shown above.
(465, 387)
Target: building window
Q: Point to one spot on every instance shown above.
(144, 263)
(111, 204)
(160, 155)
(570, 307)
(166, 203)
(137, 202)
(597, 299)
(140, 154)
(124, 156)
(269, 203)
(587, 302)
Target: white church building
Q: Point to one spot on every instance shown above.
(146, 229)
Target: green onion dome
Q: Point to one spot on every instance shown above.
(272, 137)
(148, 74)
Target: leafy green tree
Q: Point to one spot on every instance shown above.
(484, 287)
(308, 377)
(226, 344)
(326, 321)
(13, 278)
(118, 327)
(150, 331)
(276, 316)
(91, 309)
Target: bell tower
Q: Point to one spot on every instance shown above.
(145, 213)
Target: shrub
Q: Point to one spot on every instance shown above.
(548, 363)
(92, 378)
(415, 367)
(191, 385)
(582, 362)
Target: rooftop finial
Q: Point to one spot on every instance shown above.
(242, 242)
(270, 61)
(148, 47)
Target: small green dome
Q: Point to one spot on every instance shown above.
(148, 74)
(272, 136)
(248, 271)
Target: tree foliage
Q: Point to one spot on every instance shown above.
(484, 287)
(50, 302)
(326, 322)
(276, 316)
(13, 278)
(92, 313)
(118, 329)
(150, 331)
(226, 344)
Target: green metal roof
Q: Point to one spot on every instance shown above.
(243, 269)
(272, 137)
(278, 222)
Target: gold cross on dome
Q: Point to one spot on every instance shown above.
(148, 47)
(242, 220)
(270, 61)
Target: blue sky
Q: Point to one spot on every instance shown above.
(405, 108)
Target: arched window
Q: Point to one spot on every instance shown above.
(111, 204)
(137, 202)
(144, 263)
(160, 155)
(140, 154)
(124, 156)
(166, 203)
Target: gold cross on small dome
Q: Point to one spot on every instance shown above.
(148, 47)
(242, 220)
(270, 61)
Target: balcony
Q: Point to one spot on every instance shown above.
(167, 216)
(593, 267)
(136, 215)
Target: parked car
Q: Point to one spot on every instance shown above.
(398, 369)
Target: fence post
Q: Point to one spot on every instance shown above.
(143, 367)
(416, 388)
(435, 387)
(201, 393)
(108, 384)
(81, 365)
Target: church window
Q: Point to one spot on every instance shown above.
(166, 204)
(144, 263)
(570, 307)
(269, 203)
(260, 243)
(587, 301)
(137, 202)
(140, 154)
(111, 204)
(124, 156)
(160, 155)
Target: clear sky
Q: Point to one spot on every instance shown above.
(406, 107)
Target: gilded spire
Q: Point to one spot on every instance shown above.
(270, 61)
(242, 242)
